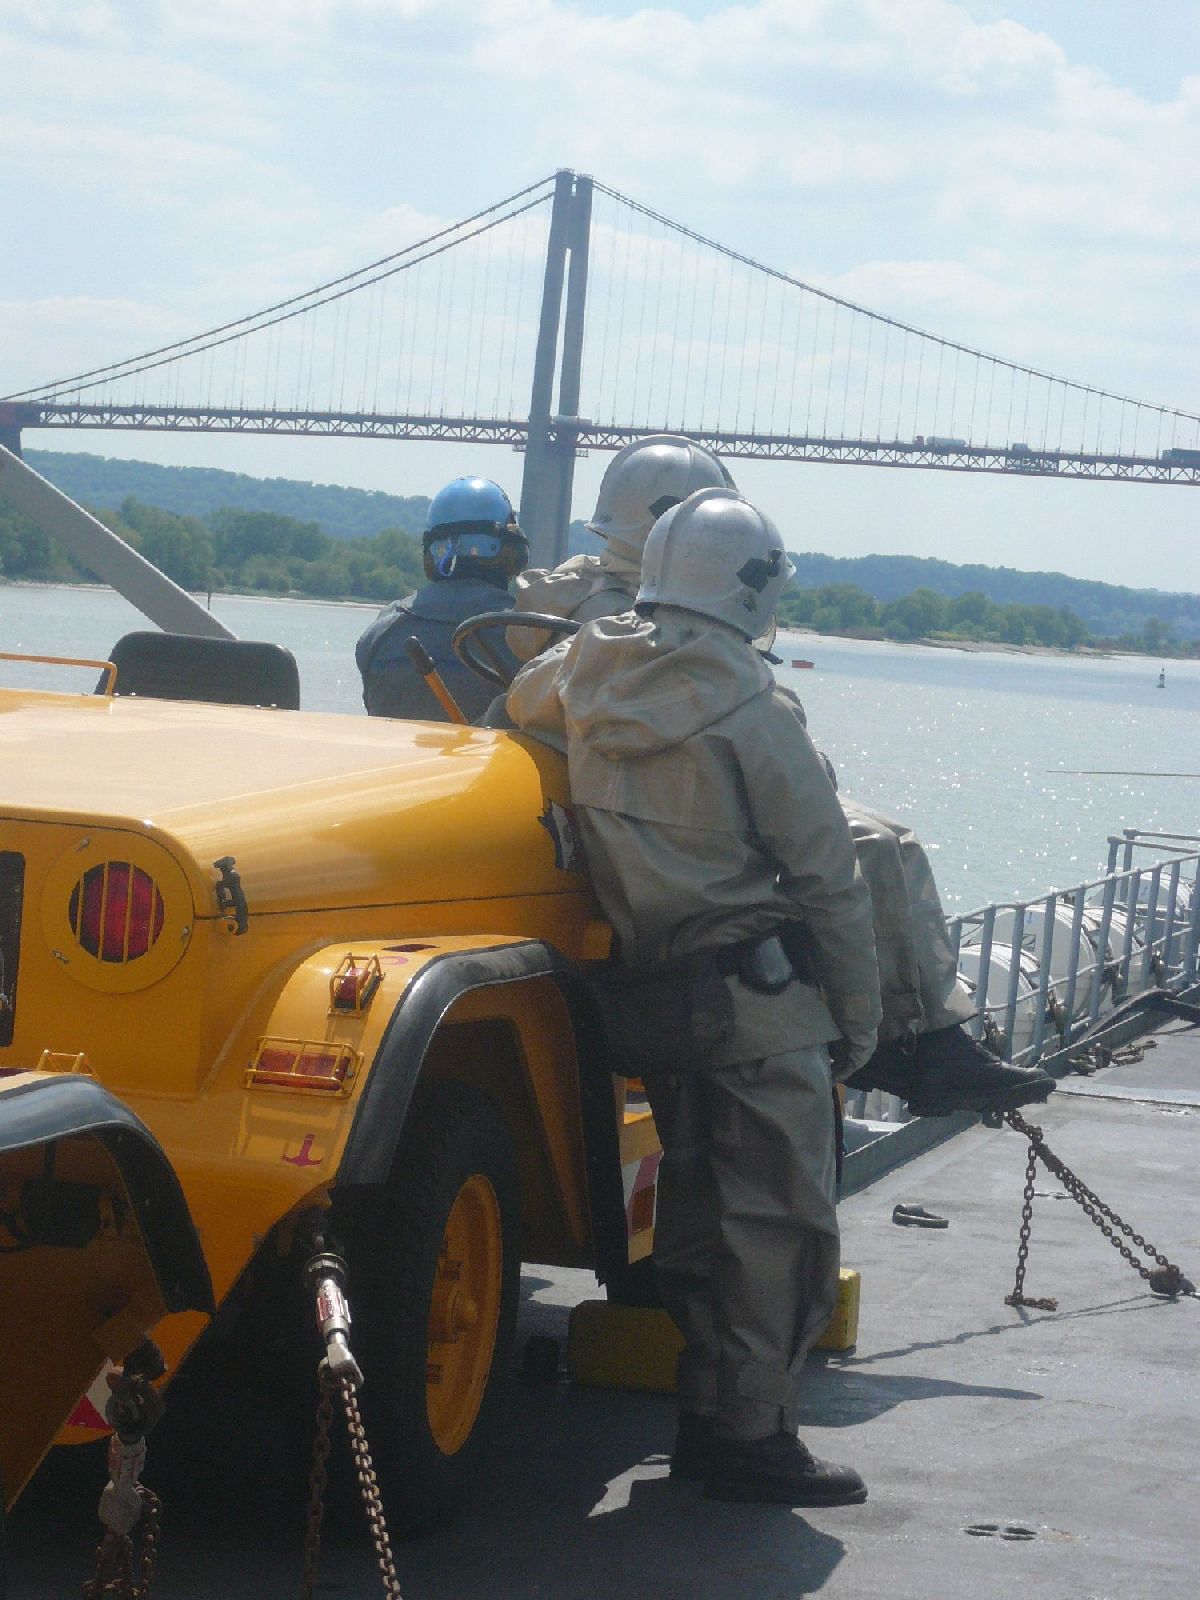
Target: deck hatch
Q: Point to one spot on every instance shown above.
(12, 881)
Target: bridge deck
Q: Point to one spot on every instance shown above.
(1081, 1425)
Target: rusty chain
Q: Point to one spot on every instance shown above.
(1164, 1279)
(367, 1482)
(113, 1578)
(1098, 1056)
(369, 1485)
(129, 1511)
(317, 1481)
(1018, 1296)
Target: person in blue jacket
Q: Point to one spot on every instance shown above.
(473, 551)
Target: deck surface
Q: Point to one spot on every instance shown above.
(1080, 1427)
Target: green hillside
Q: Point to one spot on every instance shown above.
(1106, 609)
(201, 491)
(104, 481)
(227, 529)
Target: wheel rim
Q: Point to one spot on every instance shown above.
(464, 1313)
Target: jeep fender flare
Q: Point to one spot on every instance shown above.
(38, 1112)
(383, 1106)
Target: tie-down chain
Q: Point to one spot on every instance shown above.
(1164, 1279)
(129, 1511)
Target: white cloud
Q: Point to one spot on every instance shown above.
(966, 176)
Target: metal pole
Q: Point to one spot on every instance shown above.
(10, 429)
(1073, 967)
(1103, 962)
(1014, 977)
(572, 362)
(108, 556)
(538, 501)
(978, 1023)
(1192, 946)
(1043, 990)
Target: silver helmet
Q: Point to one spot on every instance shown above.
(717, 554)
(646, 478)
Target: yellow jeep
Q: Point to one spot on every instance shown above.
(336, 967)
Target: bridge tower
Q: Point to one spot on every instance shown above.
(10, 428)
(550, 449)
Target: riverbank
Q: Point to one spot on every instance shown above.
(795, 630)
(978, 646)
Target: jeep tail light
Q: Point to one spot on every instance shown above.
(352, 986)
(310, 1064)
(116, 911)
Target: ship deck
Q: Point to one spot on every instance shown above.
(1067, 1439)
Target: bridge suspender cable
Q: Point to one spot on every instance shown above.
(254, 321)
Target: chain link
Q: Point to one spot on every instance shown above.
(1165, 1279)
(368, 1484)
(1098, 1056)
(113, 1578)
(317, 1480)
(1018, 1296)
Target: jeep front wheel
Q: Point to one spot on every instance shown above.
(439, 1279)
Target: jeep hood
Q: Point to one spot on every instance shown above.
(317, 809)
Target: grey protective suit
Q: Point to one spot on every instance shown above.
(392, 686)
(917, 970)
(707, 818)
(585, 587)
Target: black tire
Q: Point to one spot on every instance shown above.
(455, 1134)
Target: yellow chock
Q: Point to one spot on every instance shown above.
(629, 1347)
(622, 1347)
(842, 1332)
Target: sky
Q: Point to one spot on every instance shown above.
(1022, 176)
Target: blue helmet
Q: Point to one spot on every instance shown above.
(472, 532)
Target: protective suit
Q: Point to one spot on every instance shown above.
(392, 687)
(585, 587)
(917, 970)
(708, 821)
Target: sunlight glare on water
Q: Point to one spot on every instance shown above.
(991, 757)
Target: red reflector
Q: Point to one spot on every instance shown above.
(304, 1064)
(117, 911)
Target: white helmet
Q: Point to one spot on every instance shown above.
(717, 554)
(646, 478)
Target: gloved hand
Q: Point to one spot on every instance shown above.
(846, 1055)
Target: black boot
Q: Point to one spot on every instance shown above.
(778, 1470)
(693, 1447)
(946, 1071)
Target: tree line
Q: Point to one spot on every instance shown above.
(264, 552)
(844, 608)
(258, 551)
(1107, 610)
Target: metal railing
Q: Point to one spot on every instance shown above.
(1043, 972)
(1137, 927)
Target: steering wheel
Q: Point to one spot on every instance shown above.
(476, 650)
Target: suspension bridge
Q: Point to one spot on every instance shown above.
(569, 317)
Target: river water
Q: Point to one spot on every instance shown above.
(992, 757)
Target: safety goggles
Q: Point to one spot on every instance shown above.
(447, 552)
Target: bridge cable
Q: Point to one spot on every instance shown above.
(852, 306)
(255, 323)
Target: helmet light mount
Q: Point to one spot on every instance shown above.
(719, 556)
